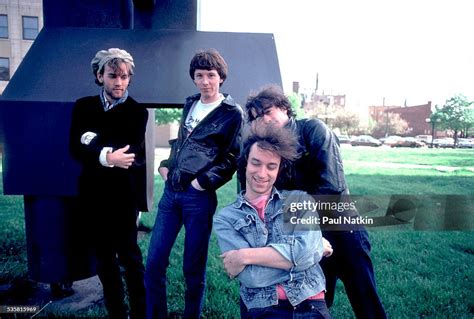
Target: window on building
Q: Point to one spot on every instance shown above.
(30, 28)
(3, 26)
(4, 69)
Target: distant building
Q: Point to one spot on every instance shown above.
(20, 23)
(379, 113)
(329, 100)
(314, 102)
(414, 115)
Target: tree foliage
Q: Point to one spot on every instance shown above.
(295, 101)
(167, 116)
(456, 115)
(346, 122)
(469, 121)
(393, 125)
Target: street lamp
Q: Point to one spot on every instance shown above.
(433, 122)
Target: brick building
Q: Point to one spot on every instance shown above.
(414, 115)
(378, 113)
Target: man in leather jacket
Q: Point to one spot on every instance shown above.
(202, 159)
(319, 172)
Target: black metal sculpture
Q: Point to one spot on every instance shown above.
(36, 105)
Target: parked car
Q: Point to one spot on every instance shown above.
(424, 138)
(365, 140)
(408, 142)
(465, 143)
(446, 142)
(391, 140)
(344, 139)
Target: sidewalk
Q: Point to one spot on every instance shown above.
(87, 292)
(161, 153)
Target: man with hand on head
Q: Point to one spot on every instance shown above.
(108, 139)
(202, 159)
(275, 259)
(319, 172)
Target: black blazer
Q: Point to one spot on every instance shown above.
(123, 125)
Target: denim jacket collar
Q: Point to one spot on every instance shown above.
(272, 213)
(241, 198)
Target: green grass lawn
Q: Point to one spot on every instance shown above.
(422, 156)
(422, 274)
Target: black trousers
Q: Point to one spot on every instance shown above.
(351, 263)
(114, 231)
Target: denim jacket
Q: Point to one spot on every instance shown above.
(239, 226)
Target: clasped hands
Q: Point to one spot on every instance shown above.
(120, 158)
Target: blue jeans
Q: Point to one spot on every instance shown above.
(351, 263)
(194, 209)
(284, 310)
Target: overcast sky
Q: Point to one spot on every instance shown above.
(417, 50)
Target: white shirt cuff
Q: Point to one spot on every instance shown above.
(87, 137)
(103, 156)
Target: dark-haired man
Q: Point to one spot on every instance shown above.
(202, 159)
(319, 172)
(264, 246)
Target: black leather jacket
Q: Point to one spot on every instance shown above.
(319, 170)
(210, 152)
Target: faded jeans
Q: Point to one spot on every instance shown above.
(194, 209)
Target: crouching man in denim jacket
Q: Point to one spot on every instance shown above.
(275, 259)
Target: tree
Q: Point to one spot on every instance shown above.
(166, 116)
(435, 118)
(456, 115)
(346, 122)
(295, 101)
(469, 122)
(393, 125)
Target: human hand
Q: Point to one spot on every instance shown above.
(163, 172)
(196, 185)
(327, 248)
(233, 262)
(121, 159)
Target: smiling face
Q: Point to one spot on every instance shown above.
(208, 82)
(115, 81)
(261, 172)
